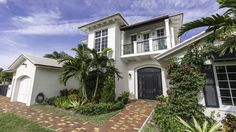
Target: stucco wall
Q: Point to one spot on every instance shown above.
(134, 66)
(114, 42)
(46, 81)
(26, 68)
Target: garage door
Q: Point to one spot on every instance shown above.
(24, 86)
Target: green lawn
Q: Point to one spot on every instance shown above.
(97, 119)
(11, 123)
(149, 128)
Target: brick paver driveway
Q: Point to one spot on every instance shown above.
(130, 119)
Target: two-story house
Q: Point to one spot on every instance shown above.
(141, 51)
(134, 47)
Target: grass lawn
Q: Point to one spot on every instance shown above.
(149, 128)
(97, 119)
(9, 122)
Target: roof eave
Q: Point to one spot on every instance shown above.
(85, 27)
(182, 45)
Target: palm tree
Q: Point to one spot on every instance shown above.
(78, 66)
(56, 55)
(222, 26)
(102, 64)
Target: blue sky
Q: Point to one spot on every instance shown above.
(38, 27)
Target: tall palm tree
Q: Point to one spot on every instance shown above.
(222, 26)
(102, 64)
(78, 66)
(56, 55)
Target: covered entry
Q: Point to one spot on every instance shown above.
(149, 83)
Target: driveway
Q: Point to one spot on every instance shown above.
(130, 119)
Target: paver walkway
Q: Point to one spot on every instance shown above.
(130, 119)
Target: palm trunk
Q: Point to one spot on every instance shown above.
(96, 87)
(84, 91)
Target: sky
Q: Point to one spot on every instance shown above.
(38, 27)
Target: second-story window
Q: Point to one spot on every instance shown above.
(160, 32)
(101, 40)
(146, 36)
(133, 38)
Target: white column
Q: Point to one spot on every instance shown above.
(167, 29)
(135, 47)
(150, 44)
(172, 37)
(122, 43)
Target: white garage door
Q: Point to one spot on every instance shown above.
(24, 86)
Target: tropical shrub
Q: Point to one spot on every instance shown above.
(101, 108)
(67, 92)
(186, 82)
(162, 99)
(51, 101)
(229, 123)
(165, 119)
(108, 94)
(62, 102)
(124, 97)
(197, 128)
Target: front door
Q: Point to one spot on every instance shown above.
(24, 87)
(149, 83)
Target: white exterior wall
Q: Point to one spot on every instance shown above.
(114, 42)
(23, 70)
(46, 81)
(133, 67)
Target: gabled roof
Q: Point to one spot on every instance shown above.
(182, 45)
(116, 17)
(38, 61)
(161, 18)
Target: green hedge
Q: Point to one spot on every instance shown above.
(166, 120)
(101, 108)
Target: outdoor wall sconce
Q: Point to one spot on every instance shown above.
(130, 75)
(24, 64)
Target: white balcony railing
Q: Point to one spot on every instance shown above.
(145, 46)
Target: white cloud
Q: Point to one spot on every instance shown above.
(53, 29)
(45, 23)
(3, 1)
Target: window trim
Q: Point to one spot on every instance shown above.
(101, 37)
(222, 107)
(160, 29)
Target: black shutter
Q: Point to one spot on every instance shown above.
(210, 93)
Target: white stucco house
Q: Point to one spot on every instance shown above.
(34, 75)
(141, 52)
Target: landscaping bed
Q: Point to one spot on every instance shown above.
(71, 104)
(9, 122)
(96, 119)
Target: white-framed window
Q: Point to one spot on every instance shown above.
(226, 77)
(160, 32)
(101, 39)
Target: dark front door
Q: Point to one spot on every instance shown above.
(149, 83)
